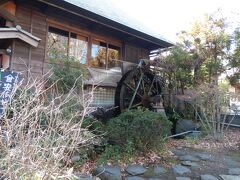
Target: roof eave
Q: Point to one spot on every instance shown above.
(63, 5)
(18, 33)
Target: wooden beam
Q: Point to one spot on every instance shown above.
(18, 35)
(10, 6)
(7, 15)
(3, 2)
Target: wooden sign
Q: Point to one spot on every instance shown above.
(8, 81)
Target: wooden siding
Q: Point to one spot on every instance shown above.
(24, 56)
(34, 21)
(134, 53)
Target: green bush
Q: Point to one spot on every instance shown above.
(68, 73)
(138, 130)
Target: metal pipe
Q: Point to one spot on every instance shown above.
(233, 125)
(193, 131)
(180, 134)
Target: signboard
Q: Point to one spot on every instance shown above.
(8, 80)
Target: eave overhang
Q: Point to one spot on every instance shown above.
(18, 33)
(154, 42)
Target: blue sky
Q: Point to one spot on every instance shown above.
(169, 17)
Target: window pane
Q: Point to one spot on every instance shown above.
(98, 54)
(113, 57)
(78, 48)
(57, 43)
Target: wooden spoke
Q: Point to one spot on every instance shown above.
(132, 89)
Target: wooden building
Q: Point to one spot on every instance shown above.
(96, 35)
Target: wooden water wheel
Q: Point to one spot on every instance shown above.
(140, 87)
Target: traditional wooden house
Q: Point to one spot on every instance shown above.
(94, 33)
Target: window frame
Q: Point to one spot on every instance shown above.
(107, 47)
(90, 37)
(69, 30)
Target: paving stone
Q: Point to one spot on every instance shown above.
(159, 170)
(183, 178)
(229, 177)
(204, 156)
(135, 170)
(179, 169)
(189, 158)
(231, 163)
(133, 178)
(154, 178)
(190, 164)
(108, 172)
(179, 152)
(208, 177)
(234, 171)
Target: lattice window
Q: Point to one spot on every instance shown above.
(102, 96)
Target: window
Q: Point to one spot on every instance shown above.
(99, 54)
(60, 45)
(57, 43)
(105, 55)
(102, 96)
(113, 58)
(78, 47)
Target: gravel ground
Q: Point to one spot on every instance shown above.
(229, 142)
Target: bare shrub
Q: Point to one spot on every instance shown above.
(212, 105)
(41, 130)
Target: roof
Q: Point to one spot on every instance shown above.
(108, 13)
(109, 10)
(18, 33)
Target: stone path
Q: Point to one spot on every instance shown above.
(190, 165)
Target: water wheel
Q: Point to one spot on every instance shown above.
(139, 87)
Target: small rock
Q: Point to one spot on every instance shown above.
(183, 178)
(204, 156)
(133, 178)
(135, 170)
(229, 177)
(208, 177)
(190, 163)
(184, 125)
(188, 158)
(159, 170)
(75, 159)
(108, 172)
(179, 169)
(234, 171)
(154, 178)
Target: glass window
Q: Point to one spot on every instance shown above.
(113, 58)
(78, 47)
(57, 43)
(98, 54)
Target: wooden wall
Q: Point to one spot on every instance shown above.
(133, 53)
(24, 56)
